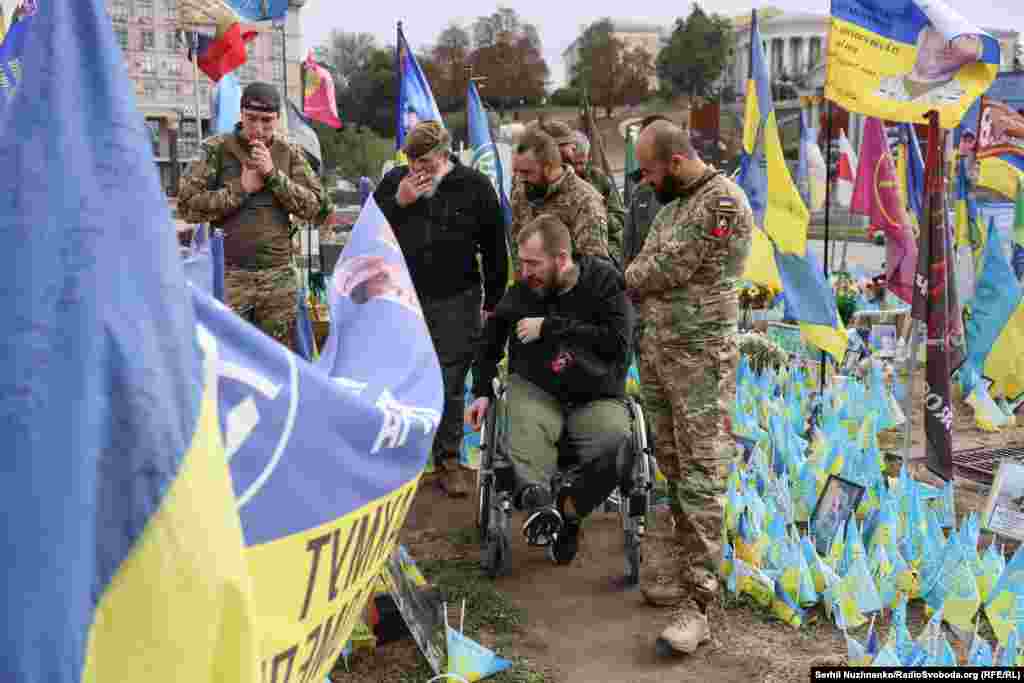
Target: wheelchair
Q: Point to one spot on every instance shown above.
(633, 486)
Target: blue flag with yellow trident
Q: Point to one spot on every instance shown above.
(415, 98)
(201, 472)
(779, 257)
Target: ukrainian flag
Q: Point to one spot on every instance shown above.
(779, 256)
(415, 98)
(967, 231)
(125, 558)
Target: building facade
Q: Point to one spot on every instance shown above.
(156, 56)
(649, 37)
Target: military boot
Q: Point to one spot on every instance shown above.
(452, 477)
(688, 629)
(661, 580)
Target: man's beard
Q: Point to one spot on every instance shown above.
(543, 287)
(671, 188)
(535, 193)
(435, 182)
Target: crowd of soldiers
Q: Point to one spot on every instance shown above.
(680, 248)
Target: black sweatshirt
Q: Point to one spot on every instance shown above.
(583, 348)
(441, 235)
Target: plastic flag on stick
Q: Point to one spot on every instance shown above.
(1002, 607)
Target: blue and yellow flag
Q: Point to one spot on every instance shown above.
(130, 558)
(898, 60)
(255, 571)
(967, 231)
(415, 98)
(778, 256)
(996, 297)
(470, 660)
(227, 103)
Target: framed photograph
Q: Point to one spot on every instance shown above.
(1004, 510)
(839, 499)
(883, 339)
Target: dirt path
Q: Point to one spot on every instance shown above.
(582, 625)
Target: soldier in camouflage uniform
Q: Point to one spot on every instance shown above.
(575, 150)
(685, 281)
(546, 185)
(586, 169)
(643, 207)
(247, 183)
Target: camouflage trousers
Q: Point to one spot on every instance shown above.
(271, 293)
(688, 392)
(454, 324)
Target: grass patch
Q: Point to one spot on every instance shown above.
(731, 601)
(485, 605)
(467, 536)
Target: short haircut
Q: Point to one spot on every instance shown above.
(648, 120)
(559, 130)
(426, 137)
(582, 142)
(668, 139)
(541, 145)
(554, 235)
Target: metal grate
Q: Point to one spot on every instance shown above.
(979, 464)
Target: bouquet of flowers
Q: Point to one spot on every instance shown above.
(756, 296)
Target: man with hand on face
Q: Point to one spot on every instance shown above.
(685, 280)
(444, 215)
(568, 325)
(546, 184)
(247, 183)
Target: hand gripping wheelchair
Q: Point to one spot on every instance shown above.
(631, 474)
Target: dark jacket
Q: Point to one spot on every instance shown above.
(643, 207)
(441, 235)
(582, 354)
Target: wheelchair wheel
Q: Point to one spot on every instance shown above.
(633, 558)
(485, 502)
(496, 554)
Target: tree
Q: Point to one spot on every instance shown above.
(451, 56)
(370, 97)
(637, 69)
(692, 62)
(508, 54)
(598, 68)
(348, 53)
(611, 74)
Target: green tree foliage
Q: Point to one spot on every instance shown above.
(696, 54)
(610, 74)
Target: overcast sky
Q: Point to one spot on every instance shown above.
(559, 22)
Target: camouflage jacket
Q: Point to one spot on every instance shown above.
(613, 207)
(204, 197)
(576, 203)
(685, 277)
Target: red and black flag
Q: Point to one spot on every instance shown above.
(935, 304)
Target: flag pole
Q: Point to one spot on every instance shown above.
(195, 78)
(828, 217)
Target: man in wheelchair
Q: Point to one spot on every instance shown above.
(568, 325)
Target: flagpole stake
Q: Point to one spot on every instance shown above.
(828, 216)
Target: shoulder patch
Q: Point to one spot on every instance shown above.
(726, 210)
(727, 204)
